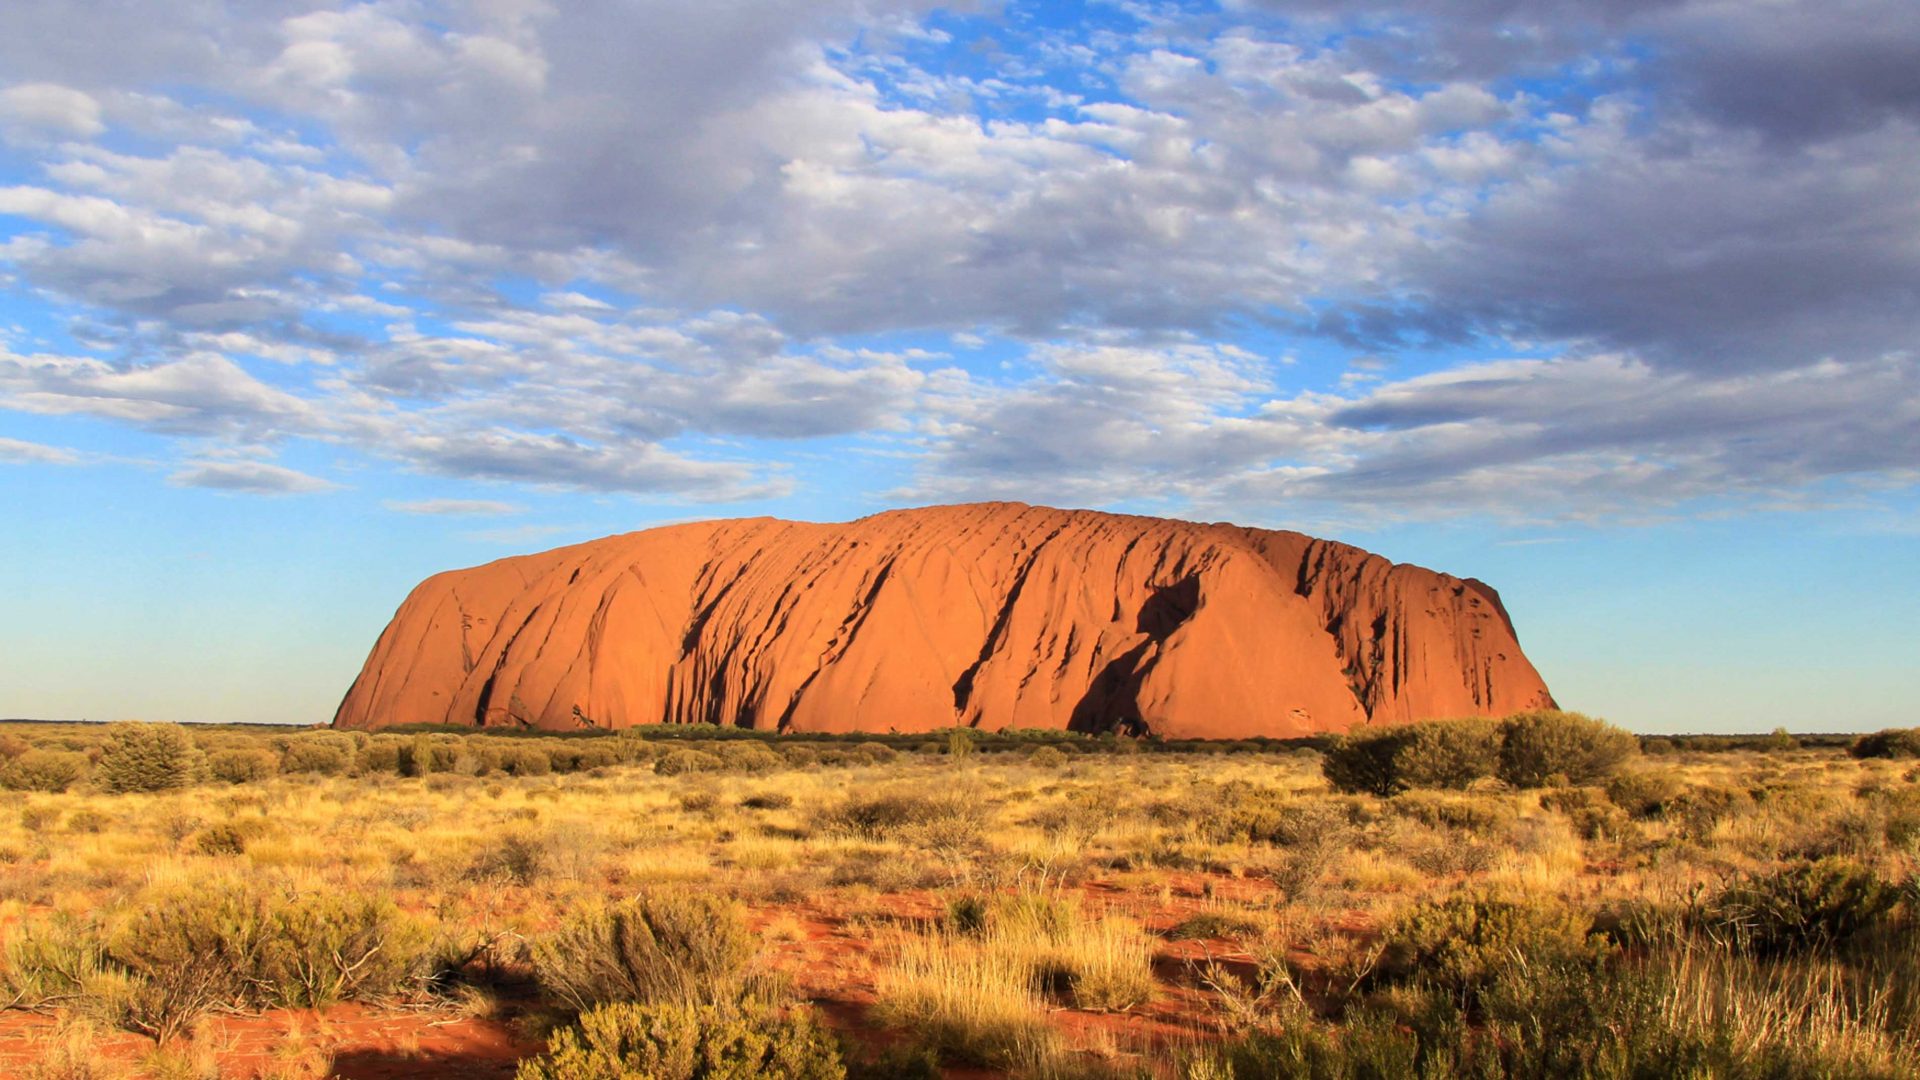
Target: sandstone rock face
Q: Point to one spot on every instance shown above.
(994, 615)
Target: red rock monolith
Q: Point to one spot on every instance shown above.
(995, 615)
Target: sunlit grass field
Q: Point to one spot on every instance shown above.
(1033, 907)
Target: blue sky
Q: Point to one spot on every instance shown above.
(1612, 304)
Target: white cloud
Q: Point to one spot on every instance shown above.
(198, 394)
(248, 478)
(454, 507)
(29, 109)
(583, 247)
(1522, 439)
(19, 452)
(556, 461)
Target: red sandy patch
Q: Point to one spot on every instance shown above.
(829, 954)
(366, 1043)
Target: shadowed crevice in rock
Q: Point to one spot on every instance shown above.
(1112, 702)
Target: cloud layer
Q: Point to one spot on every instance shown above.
(1534, 260)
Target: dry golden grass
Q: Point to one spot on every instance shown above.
(1070, 862)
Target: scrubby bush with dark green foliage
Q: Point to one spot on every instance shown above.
(380, 754)
(43, 770)
(1548, 1019)
(1537, 748)
(234, 942)
(517, 856)
(1370, 762)
(749, 757)
(1463, 943)
(1591, 813)
(1645, 792)
(1531, 749)
(1804, 906)
(1891, 743)
(53, 960)
(525, 761)
(323, 753)
(149, 757)
(1451, 753)
(425, 754)
(679, 762)
(228, 837)
(1697, 809)
(242, 766)
(662, 946)
(678, 1041)
(898, 815)
(1239, 812)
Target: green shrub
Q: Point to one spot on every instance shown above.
(1047, 757)
(1645, 792)
(323, 753)
(872, 753)
(679, 762)
(1233, 812)
(1219, 924)
(518, 856)
(595, 756)
(1591, 813)
(242, 766)
(1547, 1019)
(227, 837)
(1462, 943)
(1370, 1044)
(750, 757)
(1450, 753)
(232, 942)
(1368, 762)
(424, 755)
(901, 815)
(1538, 747)
(87, 820)
(324, 947)
(1435, 753)
(661, 946)
(960, 743)
(1891, 743)
(190, 951)
(1698, 809)
(1900, 816)
(689, 1042)
(1447, 810)
(52, 961)
(1804, 906)
(149, 757)
(967, 914)
(525, 761)
(382, 754)
(43, 770)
